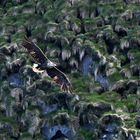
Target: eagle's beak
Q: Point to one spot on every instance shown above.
(37, 70)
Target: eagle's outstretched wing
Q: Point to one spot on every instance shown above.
(60, 78)
(45, 64)
(35, 52)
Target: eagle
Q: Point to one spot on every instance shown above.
(42, 63)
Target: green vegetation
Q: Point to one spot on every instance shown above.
(106, 30)
(10, 120)
(86, 134)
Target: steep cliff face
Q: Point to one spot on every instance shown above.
(98, 45)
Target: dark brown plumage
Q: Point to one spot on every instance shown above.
(45, 64)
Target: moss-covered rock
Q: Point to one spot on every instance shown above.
(97, 43)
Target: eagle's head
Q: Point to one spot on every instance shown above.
(36, 69)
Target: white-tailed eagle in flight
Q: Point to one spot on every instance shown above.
(44, 64)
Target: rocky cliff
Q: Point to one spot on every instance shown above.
(97, 42)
